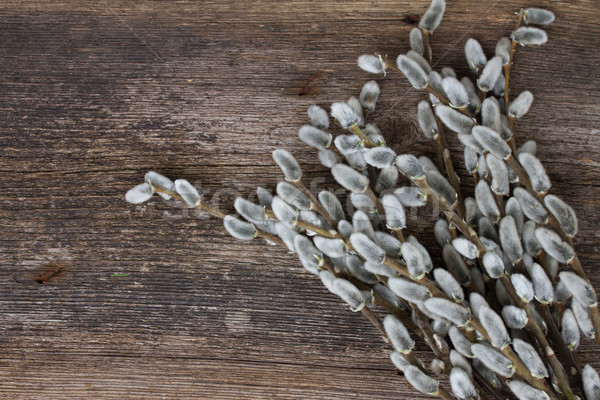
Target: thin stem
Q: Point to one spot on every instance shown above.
(373, 197)
(354, 129)
(426, 46)
(453, 178)
(595, 316)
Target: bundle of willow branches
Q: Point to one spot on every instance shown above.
(512, 301)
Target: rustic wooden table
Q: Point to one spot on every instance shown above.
(158, 302)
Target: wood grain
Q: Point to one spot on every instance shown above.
(158, 302)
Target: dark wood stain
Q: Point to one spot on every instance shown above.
(94, 94)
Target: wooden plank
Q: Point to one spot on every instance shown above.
(96, 94)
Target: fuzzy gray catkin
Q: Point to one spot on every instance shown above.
(318, 117)
(530, 358)
(563, 213)
(288, 164)
(139, 193)
(380, 157)
(490, 74)
(455, 92)
(349, 293)
(529, 36)
(398, 334)
(416, 41)
(188, 192)
(410, 166)
(474, 54)
(554, 245)
(345, 115)
(494, 360)
(462, 385)
(426, 119)
(448, 284)
(372, 64)
(525, 391)
(247, 209)
(454, 119)
(591, 383)
(420, 381)
(433, 16)
(449, 310)
(413, 72)
(514, 317)
(537, 16)
(369, 95)
(579, 288)
(493, 325)
(520, 105)
(349, 178)
(492, 142)
(314, 137)
(159, 181)
(239, 229)
(532, 208)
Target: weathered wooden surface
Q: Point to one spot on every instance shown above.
(96, 93)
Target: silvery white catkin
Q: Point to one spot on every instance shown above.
(523, 287)
(286, 234)
(583, 319)
(435, 81)
(477, 302)
(499, 86)
(570, 329)
(529, 146)
(554, 245)
(433, 16)
(493, 359)
(532, 208)
(561, 292)
(514, 317)
(293, 196)
(416, 40)
(542, 285)
(455, 92)
(529, 36)
(448, 72)
(465, 247)
(579, 288)
(454, 119)
(441, 232)
(448, 284)
(487, 230)
(563, 213)
(490, 245)
(537, 16)
(462, 385)
(399, 361)
(493, 325)
(160, 181)
(398, 334)
(288, 164)
(345, 115)
(369, 95)
(468, 140)
(455, 263)
(389, 243)
(332, 205)
(419, 59)
(420, 381)
(379, 157)
(471, 160)
(411, 196)
(482, 169)
(239, 229)
(362, 201)
(409, 290)
(247, 209)
(474, 54)
(265, 198)
(536, 172)
(356, 267)
(415, 262)
(356, 160)
(510, 240)
(308, 254)
(188, 192)
(349, 178)
(410, 166)
(367, 248)
(388, 178)
(437, 366)
(395, 216)
(459, 361)
(493, 264)
(348, 144)
(492, 142)
(472, 213)
(328, 158)
(283, 211)
(386, 295)
(440, 185)
(372, 64)
(460, 343)
(449, 310)
(519, 106)
(361, 223)
(380, 269)
(314, 218)
(530, 358)
(503, 49)
(314, 137)
(513, 208)
(474, 101)
(354, 103)
(490, 114)
(525, 391)
(327, 279)
(349, 293)
(318, 117)
(413, 72)
(591, 383)
(490, 74)
(500, 182)
(332, 247)
(139, 193)
(505, 132)
(426, 119)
